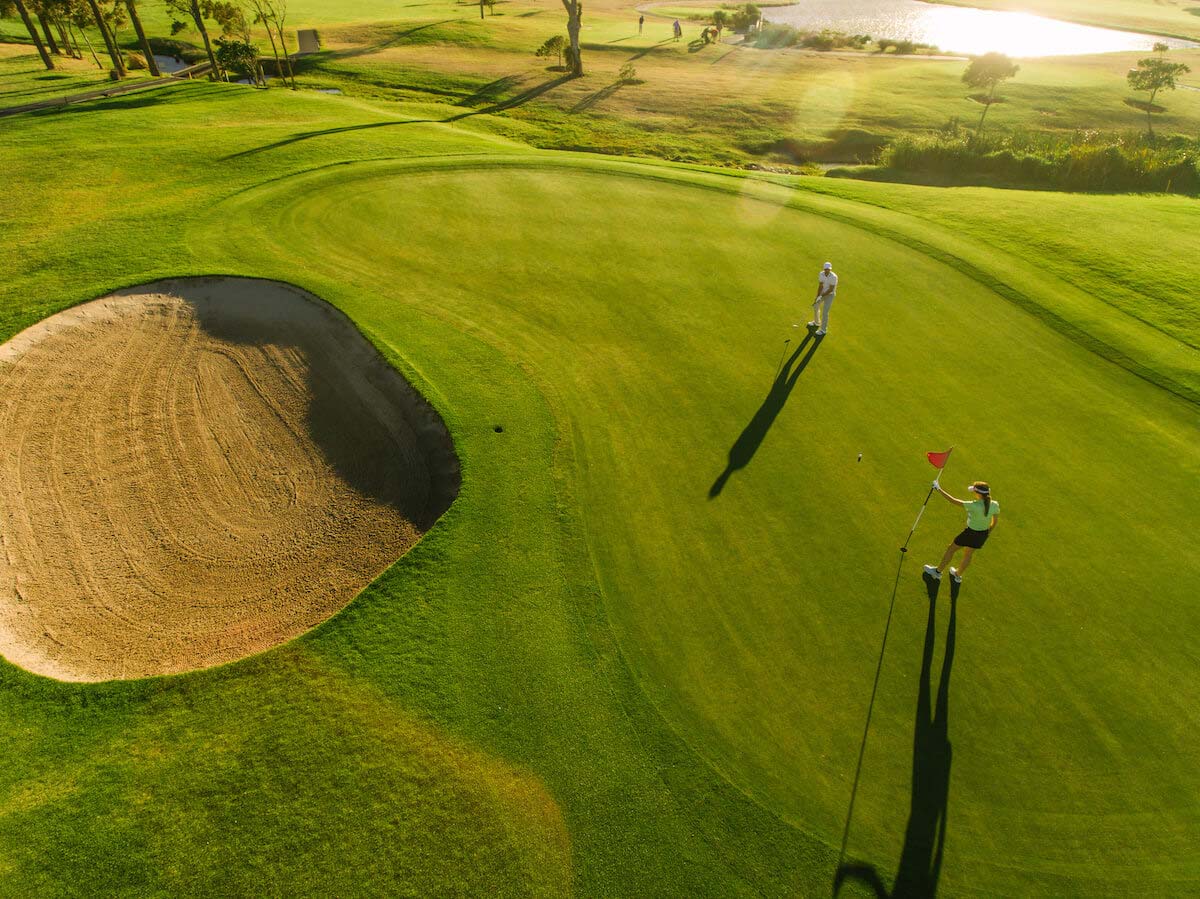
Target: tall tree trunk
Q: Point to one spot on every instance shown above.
(37, 41)
(113, 52)
(481, 10)
(275, 53)
(212, 58)
(64, 38)
(146, 51)
(574, 22)
(987, 104)
(45, 23)
(283, 46)
(91, 49)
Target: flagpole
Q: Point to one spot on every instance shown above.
(928, 497)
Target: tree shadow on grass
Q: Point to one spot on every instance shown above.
(603, 94)
(920, 866)
(650, 49)
(514, 101)
(1143, 105)
(752, 435)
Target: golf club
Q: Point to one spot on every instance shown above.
(779, 367)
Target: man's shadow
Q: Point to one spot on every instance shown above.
(925, 836)
(752, 435)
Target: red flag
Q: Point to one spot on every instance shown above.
(938, 460)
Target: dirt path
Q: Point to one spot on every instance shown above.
(197, 470)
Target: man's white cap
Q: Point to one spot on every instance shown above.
(828, 266)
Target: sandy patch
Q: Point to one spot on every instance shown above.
(196, 470)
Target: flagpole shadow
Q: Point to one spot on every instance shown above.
(920, 866)
(752, 435)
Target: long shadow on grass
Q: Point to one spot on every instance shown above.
(517, 100)
(752, 435)
(920, 865)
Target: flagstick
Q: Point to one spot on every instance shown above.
(928, 496)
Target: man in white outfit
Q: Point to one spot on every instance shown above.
(826, 294)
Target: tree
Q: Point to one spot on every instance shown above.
(552, 47)
(196, 10)
(239, 57)
(987, 72)
(60, 14)
(1154, 74)
(151, 64)
(574, 10)
(44, 21)
(271, 14)
(19, 6)
(114, 52)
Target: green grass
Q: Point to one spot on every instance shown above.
(722, 105)
(23, 78)
(591, 676)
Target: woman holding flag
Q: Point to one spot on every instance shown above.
(981, 519)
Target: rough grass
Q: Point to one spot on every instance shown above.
(590, 673)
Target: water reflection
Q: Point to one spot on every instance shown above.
(961, 30)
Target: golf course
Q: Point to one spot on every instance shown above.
(434, 489)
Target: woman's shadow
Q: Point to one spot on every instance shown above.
(925, 837)
(752, 435)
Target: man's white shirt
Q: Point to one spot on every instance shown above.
(828, 280)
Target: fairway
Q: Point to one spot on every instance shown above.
(637, 653)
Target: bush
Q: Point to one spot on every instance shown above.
(1086, 161)
(745, 17)
(775, 37)
(628, 74)
(135, 61)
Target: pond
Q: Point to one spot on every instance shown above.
(169, 64)
(959, 29)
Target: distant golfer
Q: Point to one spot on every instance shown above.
(981, 520)
(677, 28)
(641, 22)
(827, 283)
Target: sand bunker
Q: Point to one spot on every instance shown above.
(196, 470)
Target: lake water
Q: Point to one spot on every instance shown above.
(960, 30)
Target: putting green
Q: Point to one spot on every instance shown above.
(651, 308)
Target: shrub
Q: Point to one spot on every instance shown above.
(628, 74)
(135, 61)
(1086, 161)
(774, 37)
(745, 17)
